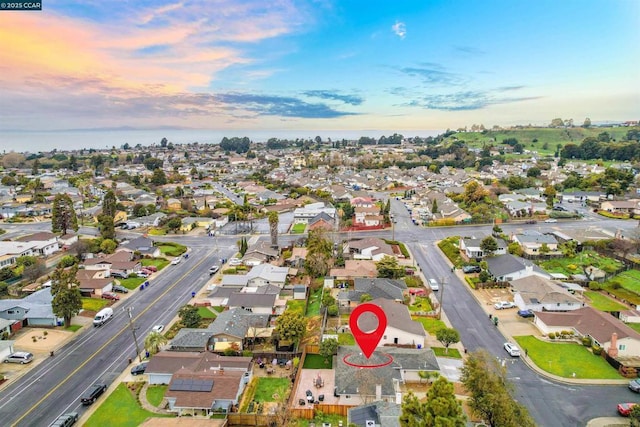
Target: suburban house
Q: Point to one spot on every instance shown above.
(32, 310)
(368, 248)
(297, 258)
(259, 253)
(471, 247)
(505, 268)
(363, 202)
(321, 221)
(164, 364)
(382, 383)
(255, 302)
(10, 251)
(630, 316)
(307, 212)
(67, 240)
(531, 241)
(231, 326)
(604, 329)
(45, 243)
(152, 220)
(389, 289)
(94, 282)
(189, 223)
(267, 274)
(582, 196)
(539, 294)
(144, 245)
(401, 330)
(377, 414)
(367, 216)
(620, 206)
(355, 268)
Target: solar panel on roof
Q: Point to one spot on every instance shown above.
(191, 384)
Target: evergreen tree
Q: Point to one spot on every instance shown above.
(63, 215)
(109, 204)
(189, 316)
(440, 409)
(67, 300)
(106, 226)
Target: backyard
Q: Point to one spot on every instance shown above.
(625, 285)
(346, 339)
(298, 228)
(268, 389)
(566, 359)
(120, 409)
(316, 361)
(602, 302)
(577, 264)
(313, 307)
(296, 305)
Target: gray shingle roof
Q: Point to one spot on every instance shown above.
(385, 414)
(248, 300)
(236, 322)
(397, 317)
(503, 265)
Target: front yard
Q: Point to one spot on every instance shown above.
(93, 304)
(430, 324)
(160, 263)
(155, 394)
(206, 313)
(422, 304)
(566, 359)
(120, 409)
(132, 283)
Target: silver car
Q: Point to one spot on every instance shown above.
(512, 349)
(21, 357)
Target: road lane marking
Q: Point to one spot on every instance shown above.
(83, 364)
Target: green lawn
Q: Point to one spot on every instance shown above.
(316, 361)
(565, 359)
(313, 308)
(93, 304)
(630, 280)
(453, 352)
(206, 313)
(298, 228)
(346, 339)
(172, 249)
(267, 387)
(160, 263)
(73, 328)
(602, 302)
(296, 305)
(421, 304)
(218, 308)
(132, 283)
(449, 247)
(576, 264)
(430, 324)
(155, 393)
(634, 326)
(120, 409)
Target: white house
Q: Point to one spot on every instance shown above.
(531, 241)
(630, 316)
(10, 251)
(605, 330)
(45, 243)
(539, 294)
(505, 268)
(306, 213)
(471, 247)
(400, 328)
(267, 274)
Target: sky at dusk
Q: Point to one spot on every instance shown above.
(305, 65)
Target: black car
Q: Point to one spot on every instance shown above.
(525, 313)
(94, 392)
(139, 369)
(468, 269)
(530, 221)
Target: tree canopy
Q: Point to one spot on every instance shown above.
(441, 408)
(63, 215)
(291, 326)
(67, 300)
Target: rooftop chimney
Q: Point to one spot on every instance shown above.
(613, 348)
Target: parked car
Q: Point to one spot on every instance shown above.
(213, 270)
(624, 409)
(469, 269)
(634, 385)
(118, 275)
(176, 261)
(235, 261)
(65, 420)
(157, 328)
(151, 268)
(20, 357)
(111, 295)
(550, 220)
(121, 289)
(93, 393)
(142, 274)
(525, 313)
(139, 369)
(512, 349)
(530, 221)
(503, 304)
(559, 208)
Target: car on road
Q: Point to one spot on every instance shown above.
(525, 313)
(469, 269)
(157, 328)
(139, 369)
(634, 385)
(559, 208)
(65, 420)
(433, 284)
(213, 270)
(501, 305)
(235, 261)
(93, 393)
(512, 349)
(20, 357)
(550, 220)
(176, 261)
(121, 289)
(624, 409)
(111, 296)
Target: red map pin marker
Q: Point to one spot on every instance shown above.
(368, 341)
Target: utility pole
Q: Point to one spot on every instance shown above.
(133, 331)
(442, 283)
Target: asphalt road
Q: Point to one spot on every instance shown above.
(55, 385)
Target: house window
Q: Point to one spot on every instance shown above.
(385, 337)
(622, 347)
(10, 312)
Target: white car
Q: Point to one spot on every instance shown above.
(512, 349)
(433, 285)
(213, 270)
(550, 220)
(176, 261)
(235, 261)
(503, 304)
(157, 328)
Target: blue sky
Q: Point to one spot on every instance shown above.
(330, 65)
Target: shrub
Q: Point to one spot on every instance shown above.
(247, 353)
(615, 284)
(413, 281)
(332, 310)
(594, 286)
(597, 350)
(552, 336)
(572, 267)
(567, 333)
(586, 341)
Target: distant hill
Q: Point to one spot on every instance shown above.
(542, 140)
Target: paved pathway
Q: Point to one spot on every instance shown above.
(144, 402)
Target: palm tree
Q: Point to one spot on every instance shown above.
(154, 341)
(273, 227)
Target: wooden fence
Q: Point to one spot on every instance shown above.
(250, 420)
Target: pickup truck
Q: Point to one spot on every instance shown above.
(94, 392)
